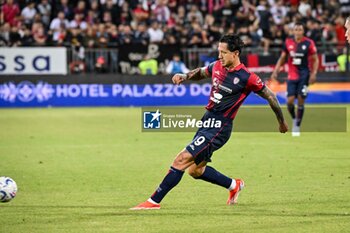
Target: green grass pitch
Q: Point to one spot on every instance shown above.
(81, 169)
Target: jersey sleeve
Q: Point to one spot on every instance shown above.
(312, 48)
(209, 68)
(255, 83)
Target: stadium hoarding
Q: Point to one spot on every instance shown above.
(44, 94)
(126, 90)
(33, 61)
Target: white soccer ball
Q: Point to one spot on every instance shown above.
(8, 189)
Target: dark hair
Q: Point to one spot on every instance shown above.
(298, 23)
(233, 41)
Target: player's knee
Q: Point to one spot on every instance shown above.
(195, 172)
(301, 100)
(182, 160)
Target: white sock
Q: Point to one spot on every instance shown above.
(153, 202)
(233, 185)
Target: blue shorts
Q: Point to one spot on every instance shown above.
(298, 87)
(208, 140)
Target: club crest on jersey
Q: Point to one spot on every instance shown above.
(303, 47)
(235, 80)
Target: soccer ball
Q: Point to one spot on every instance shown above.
(8, 189)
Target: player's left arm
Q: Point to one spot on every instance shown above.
(267, 94)
(257, 85)
(313, 72)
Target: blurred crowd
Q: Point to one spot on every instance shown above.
(191, 23)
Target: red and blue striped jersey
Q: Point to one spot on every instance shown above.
(230, 88)
(298, 57)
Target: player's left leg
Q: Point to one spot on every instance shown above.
(302, 94)
(301, 107)
(300, 114)
(292, 92)
(291, 110)
(290, 106)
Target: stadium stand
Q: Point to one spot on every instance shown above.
(86, 25)
(53, 23)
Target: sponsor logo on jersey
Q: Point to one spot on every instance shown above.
(225, 89)
(217, 96)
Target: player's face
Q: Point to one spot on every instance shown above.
(347, 33)
(298, 32)
(226, 57)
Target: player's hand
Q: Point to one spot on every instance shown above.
(179, 78)
(312, 79)
(283, 127)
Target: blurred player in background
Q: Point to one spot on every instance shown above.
(231, 84)
(299, 50)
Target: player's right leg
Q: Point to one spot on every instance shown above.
(290, 106)
(182, 161)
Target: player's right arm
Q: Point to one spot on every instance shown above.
(278, 66)
(196, 74)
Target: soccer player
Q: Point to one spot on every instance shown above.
(299, 50)
(231, 84)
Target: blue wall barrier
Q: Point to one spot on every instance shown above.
(44, 94)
